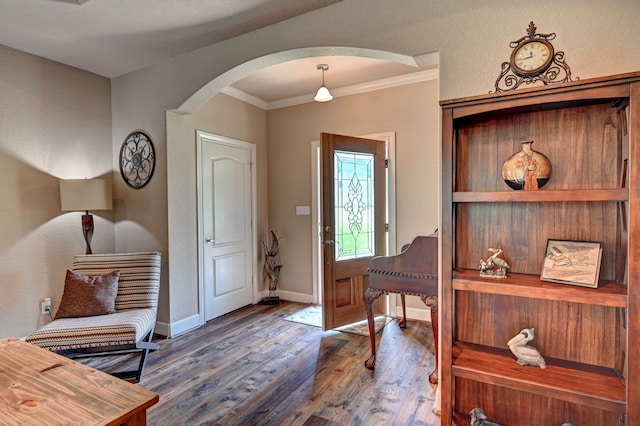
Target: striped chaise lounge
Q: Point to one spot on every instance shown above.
(129, 329)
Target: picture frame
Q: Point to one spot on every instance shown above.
(572, 262)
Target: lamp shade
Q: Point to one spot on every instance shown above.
(85, 195)
(323, 95)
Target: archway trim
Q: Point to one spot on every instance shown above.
(227, 78)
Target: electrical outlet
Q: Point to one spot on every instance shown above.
(45, 306)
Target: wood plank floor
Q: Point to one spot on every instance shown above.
(251, 367)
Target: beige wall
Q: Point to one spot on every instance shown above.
(224, 116)
(55, 123)
(471, 39)
(411, 111)
(55, 120)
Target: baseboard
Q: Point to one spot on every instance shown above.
(176, 328)
(415, 314)
(291, 296)
(187, 324)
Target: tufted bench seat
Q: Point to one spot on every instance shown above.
(129, 329)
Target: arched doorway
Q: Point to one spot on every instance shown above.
(182, 229)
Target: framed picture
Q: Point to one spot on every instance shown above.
(572, 262)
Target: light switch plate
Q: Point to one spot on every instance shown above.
(303, 210)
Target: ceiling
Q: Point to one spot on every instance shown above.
(114, 37)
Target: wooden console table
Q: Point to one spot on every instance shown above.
(38, 387)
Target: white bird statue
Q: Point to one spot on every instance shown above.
(526, 355)
(479, 418)
(497, 260)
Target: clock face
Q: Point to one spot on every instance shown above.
(532, 57)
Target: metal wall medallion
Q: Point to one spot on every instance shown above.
(137, 159)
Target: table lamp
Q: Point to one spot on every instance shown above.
(85, 195)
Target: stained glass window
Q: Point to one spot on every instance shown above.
(354, 205)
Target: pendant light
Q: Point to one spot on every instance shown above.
(323, 94)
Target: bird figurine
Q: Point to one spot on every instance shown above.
(525, 354)
(497, 260)
(479, 418)
(494, 266)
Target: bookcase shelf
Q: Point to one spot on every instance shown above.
(541, 196)
(590, 131)
(608, 293)
(573, 382)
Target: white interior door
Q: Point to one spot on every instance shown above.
(226, 241)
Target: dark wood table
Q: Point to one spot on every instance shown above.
(38, 387)
(412, 272)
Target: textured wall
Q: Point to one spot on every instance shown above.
(224, 116)
(471, 37)
(55, 123)
(411, 111)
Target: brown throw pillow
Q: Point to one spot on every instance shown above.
(86, 296)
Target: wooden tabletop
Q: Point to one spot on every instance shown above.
(38, 387)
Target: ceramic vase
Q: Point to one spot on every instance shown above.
(527, 169)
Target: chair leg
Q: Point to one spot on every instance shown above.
(146, 345)
(403, 322)
(432, 302)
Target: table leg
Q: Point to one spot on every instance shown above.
(138, 419)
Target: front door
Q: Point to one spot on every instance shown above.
(226, 224)
(353, 222)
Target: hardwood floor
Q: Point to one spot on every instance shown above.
(251, 367)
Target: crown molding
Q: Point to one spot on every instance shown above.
(386, 83)
(245, 97)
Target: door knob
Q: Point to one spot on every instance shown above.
(328, 242)
(210, 240)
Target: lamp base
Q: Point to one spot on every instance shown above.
(87, 230)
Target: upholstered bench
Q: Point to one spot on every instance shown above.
(129, 328)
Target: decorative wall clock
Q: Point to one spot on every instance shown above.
(533, 60)
(137, 159)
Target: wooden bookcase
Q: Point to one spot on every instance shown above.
(590, 338)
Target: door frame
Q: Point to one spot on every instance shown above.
(205, 137)
(316, 205)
